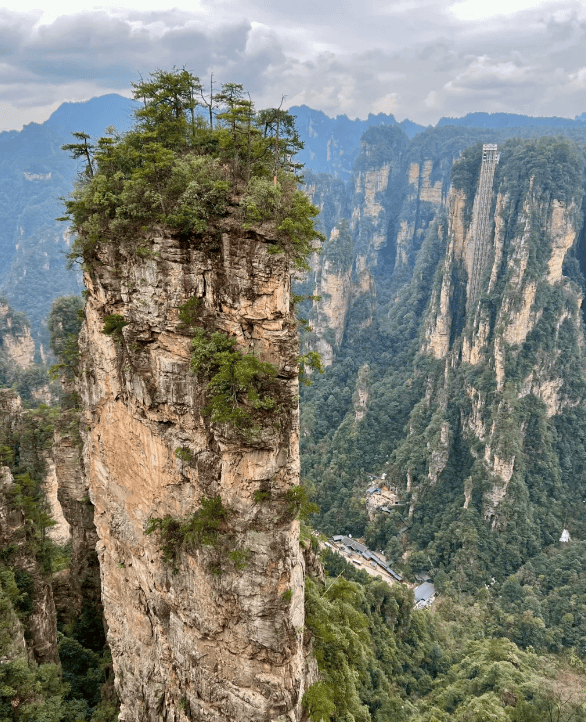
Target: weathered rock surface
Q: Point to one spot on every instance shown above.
(79, 584)
(493, 336)
(397, 190)
(16, 341)
(206, 639)
(14, 644)
(41, 623)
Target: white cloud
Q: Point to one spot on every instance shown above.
(473, 10)
(416, 58)
(578, 78)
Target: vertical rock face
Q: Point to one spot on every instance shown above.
(16, 342)
(14, 641)
(510, 357)
(216, 633)
(398, 188)
(80, 583)
(41, 623)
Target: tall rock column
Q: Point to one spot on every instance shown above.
(212, 632)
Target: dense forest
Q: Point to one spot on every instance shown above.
(77, 684)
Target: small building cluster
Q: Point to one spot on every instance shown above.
(363, 558)
(381, 498)
(360, 554)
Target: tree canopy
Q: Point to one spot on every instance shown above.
(176, 168)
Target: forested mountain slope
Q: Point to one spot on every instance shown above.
(464, 387)
(473, 407)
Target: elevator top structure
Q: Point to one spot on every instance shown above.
(489, 150)
(480, 235)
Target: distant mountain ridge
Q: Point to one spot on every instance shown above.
(333, 144)
(92, 116)
(511, 120)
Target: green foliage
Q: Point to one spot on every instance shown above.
(206, 347)
(24, 448)
(173, 168)
(239, 557)
(196, 191)
(262, 200)
(236, 381)
(298, 503)
(539, 605)
(80, 670)
(64, 325)
(189, 313)
(371, 650)
(84, 150)
(464, 176)
(202, 528)
(298, 227)
(113, 325)
(183, 454)
(106, 712)
(310, 360)
(379, 659)
(31, 693)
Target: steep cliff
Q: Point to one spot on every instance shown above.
(188, 379)
(18, 346)
(218, 635)
(24, 549)
(503, 369)
(375, 226)
(76, 588)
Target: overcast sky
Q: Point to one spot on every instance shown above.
(418, 59)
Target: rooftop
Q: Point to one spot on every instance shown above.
(424, 591)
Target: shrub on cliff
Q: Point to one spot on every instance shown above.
(238, 382)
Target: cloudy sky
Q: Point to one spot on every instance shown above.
(418, 59)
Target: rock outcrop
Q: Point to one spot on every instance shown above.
(397, 190)
(509, 349)
(25, 554)
(16, 343)
(14, 643)
(217, 632)
(79, 584)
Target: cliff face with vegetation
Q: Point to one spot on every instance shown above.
(375, 224)
(18, 346)
(18, 355)
(505, 375)
(52, 645)
(188, 381)
(29, 556)
(473, 406)
(218, 631)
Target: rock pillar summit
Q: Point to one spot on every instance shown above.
(188, 232)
